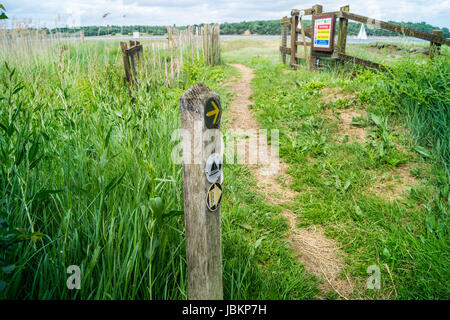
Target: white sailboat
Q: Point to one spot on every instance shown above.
(362, 33)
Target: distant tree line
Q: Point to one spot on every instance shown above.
(261, 27)
(353, 29)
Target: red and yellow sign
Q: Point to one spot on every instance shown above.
(323, 36)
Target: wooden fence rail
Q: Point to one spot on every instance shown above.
(325, 47)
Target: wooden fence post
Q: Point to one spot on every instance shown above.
(198, 107)
(126, 62)
(317, 9)
(307, 57)
(435, 48)
(342, 34)
(294, 38)
(283, 38)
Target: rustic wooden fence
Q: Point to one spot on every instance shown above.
(163, 62)
(202, 42)
(131, 56)
(323, 44)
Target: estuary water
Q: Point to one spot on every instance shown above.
(350, 39)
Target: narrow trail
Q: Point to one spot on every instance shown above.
(319, 254)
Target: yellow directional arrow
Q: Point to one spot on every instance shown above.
(214, 112)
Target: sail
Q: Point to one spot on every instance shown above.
(362, 33)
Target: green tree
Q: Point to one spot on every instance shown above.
(2, 14)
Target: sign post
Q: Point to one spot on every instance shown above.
(200, 114)
(323, 32)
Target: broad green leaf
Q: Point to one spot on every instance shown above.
(44, 194)
(108, 136)
(386, 253)
(17, 89)
(358, 211)
(35, 236)
(114, 182)
(258, 242)
(156, 205)
(151, 252)
(422, 151)
(356, 122)
(9, 269)
(376, 120)
(347, 185)
(173, 213)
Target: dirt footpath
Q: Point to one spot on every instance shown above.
(319, 254)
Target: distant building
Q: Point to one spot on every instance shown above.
(247, 33)
(136, 34)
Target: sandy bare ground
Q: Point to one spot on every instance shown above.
(320, 255)
(394, 184)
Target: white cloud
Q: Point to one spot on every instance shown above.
(168, 12)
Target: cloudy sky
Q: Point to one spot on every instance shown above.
(183, 12)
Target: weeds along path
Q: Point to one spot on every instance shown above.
(319, 254)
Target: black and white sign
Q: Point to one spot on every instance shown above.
(213, 168)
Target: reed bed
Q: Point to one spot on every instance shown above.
(86, 176)
(21, 40)
(168, 62)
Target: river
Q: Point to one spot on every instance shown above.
(350, 39)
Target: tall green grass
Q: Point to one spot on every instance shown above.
(92, 172)
(81, 164)
(86, 179)
(419, 93)
(406, 237)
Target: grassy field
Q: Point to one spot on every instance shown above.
(86, 178)
(379, 184)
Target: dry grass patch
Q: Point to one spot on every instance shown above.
(335, 94)
(321, 256)
(393, 185)
(345, 127)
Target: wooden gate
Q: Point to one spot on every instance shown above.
(319, 48)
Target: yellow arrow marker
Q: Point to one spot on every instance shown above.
(214, 112)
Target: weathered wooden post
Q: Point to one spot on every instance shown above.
(200, 114)
(307, 57)
(316, 9)
(342, 33)
(284, 33)
(435, 48)
(294, 38)
(126, 62)
(133, 54)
